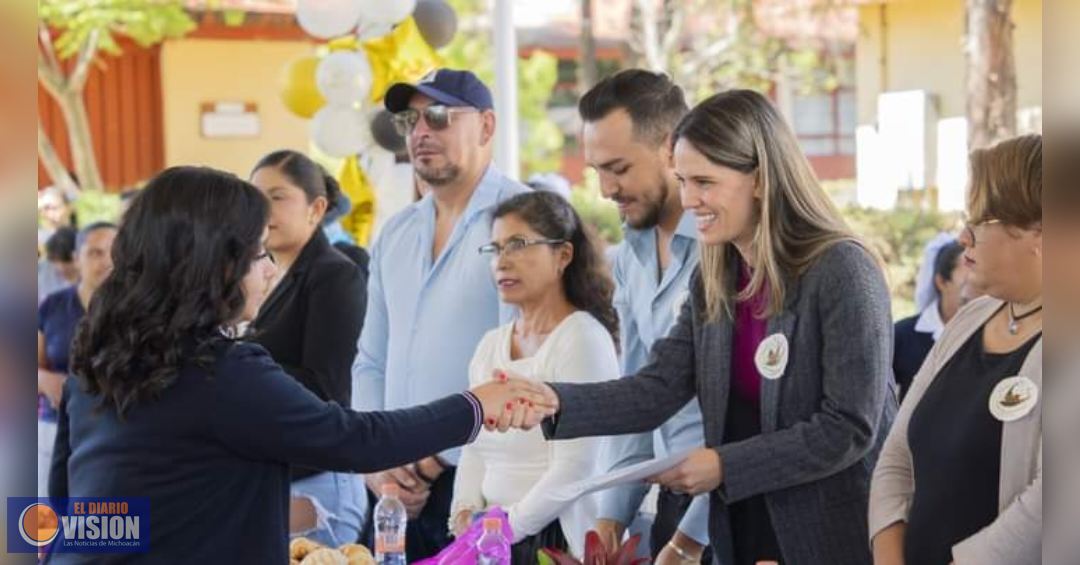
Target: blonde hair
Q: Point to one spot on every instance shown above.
(1006, 182)
(797, 221)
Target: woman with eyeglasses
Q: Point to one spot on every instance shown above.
(544, 263)
(309, 324)
(167, 403)
(960, 477)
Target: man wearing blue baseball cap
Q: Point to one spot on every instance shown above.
(431, 296)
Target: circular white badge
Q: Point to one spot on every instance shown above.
(1013, 398)
(772, 356)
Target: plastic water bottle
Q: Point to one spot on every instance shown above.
(390, 520)
(493, 548)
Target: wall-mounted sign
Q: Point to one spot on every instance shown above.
(229, 119)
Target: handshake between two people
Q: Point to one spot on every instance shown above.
(512, 401)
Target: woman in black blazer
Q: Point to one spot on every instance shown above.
(166, 403)
(310, 324)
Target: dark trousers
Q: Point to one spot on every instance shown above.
(670, 509)
(427, 535)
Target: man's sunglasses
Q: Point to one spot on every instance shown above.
(437, 117)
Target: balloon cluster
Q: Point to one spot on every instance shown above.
(371, 45)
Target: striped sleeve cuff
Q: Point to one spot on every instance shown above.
(478, 415)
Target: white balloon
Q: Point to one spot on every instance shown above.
(344, 78)
(341, 131)
(385, 11)
(328, 18)
(371, 30)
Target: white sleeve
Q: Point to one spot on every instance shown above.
(469, 480)
(468, 483)
(585, 353)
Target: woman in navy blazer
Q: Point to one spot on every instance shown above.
(166, 403)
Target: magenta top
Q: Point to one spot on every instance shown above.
(748, 334)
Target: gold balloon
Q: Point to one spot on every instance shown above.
(298, 90)
(360, 221)
(400, 56)
(347, 43)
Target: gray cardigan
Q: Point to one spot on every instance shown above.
(1015, 538)
(823, 421)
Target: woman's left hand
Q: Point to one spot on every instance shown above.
(701, 471)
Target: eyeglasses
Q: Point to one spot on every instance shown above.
(969, 228)
(515, 245)
(437, 117)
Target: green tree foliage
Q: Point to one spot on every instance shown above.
(147, 22)
(541, 141)
(81, 30)
(736, 52)
(900, 235)
(595, 210)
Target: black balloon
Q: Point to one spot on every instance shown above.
(436, 20)
(382, 129)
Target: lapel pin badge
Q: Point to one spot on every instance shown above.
(772, 356)
(1013, 398)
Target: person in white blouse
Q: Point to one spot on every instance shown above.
(546, 265)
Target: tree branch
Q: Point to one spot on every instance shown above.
(674, 31)
(51, 161)
(50, 74)
(650, 42)
(708, 54)
(86, 56)
(50, 79)
(45, 39)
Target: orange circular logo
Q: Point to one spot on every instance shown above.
(39, 525)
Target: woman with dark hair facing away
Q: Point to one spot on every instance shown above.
(544, 263)
(310, 324)
(785, 339)
(167, 403)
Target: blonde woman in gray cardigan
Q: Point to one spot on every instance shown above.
(960, 477)
(785, 339)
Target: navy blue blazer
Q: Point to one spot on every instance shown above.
(909, 351)
(213, 453)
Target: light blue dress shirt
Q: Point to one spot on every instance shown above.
(426, 316)
(648, 303)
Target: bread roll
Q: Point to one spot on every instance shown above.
(300, 547)
(325, 556)
(357, 554)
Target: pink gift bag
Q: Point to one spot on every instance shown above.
(463, 550)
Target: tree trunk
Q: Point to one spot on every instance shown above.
(991, 72)
(51, 161)
(587, 67)
(73, 107)
(67, 91)
(650, 36)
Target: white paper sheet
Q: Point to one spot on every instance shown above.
(626, 475)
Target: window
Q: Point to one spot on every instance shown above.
(825, 122)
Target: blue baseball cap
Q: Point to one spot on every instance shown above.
(445, 86)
